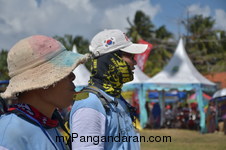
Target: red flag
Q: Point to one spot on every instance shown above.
(135, 101)
(142, 58)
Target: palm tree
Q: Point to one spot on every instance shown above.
(68, 41)
(204, 48)
(82, 45)
(143, 28)
(163, 34)
(3, 65)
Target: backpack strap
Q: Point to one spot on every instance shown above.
(63, 124)
(20, 114)
(6, 110)
(105, 100)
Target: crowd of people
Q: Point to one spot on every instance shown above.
(175, 115)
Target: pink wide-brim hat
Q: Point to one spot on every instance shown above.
(38, 62)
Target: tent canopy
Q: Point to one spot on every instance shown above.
(180, 70)
(220, 93)
(81, 72)
(139, 76)
(180, 74)
(177, 94)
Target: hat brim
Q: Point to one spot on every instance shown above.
(45, 74)
(135, 48)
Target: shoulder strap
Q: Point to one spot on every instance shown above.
(132, 110)
(105, 100)
(22, 116)
(63, 124)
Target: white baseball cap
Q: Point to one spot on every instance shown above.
(112, 40)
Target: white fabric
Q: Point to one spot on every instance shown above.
(81, 72)
(180, 70)
(93, 123)
(220, 93)
(139, 76)
(111, 40)
(135, 48)
(82, 75)
(3, 148)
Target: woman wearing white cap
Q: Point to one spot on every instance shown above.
(104, 120)
(41, 81)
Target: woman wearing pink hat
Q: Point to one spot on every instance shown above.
(41, 81)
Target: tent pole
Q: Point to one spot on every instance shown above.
(142, 102)
(201, 109)
(162, 106)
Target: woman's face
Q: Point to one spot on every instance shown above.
(61, 94)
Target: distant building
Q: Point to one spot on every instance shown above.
(219, 78)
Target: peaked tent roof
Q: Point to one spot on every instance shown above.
(180, 70)
(81, 72)
(139, 76)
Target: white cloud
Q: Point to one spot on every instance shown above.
(22, 18)
(117, 17)
(220, 16)
(19, 19)
(196, 9)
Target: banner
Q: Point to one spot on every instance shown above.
(135, 102)
(142, 58)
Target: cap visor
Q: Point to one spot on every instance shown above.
(135, 48)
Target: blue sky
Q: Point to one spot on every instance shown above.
(22, 18)
(174, 11)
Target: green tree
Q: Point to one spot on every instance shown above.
(69, 40)
(143, 28)
(206, 51)
(81, 44)
(163, 34)
(3, 65)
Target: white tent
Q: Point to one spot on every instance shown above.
(82, 74)
(139, 76)
(180, 74)
(219, 99)
(180, 70)
(220, 93)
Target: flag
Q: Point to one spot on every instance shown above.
(142, 58)
(135, 101)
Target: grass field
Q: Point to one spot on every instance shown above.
(184, 140)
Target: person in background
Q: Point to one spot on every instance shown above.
(41, 81)
(112, 66)
(156, 112)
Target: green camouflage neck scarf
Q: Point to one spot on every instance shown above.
(109, 72)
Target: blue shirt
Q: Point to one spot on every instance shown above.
(18, 134)
(89, 118)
